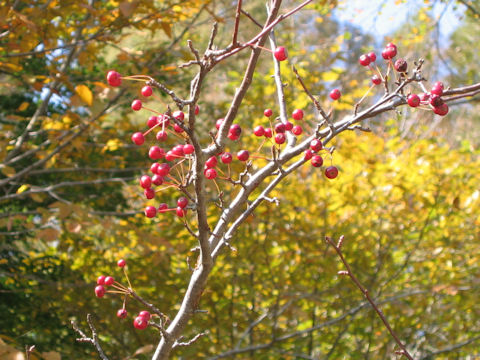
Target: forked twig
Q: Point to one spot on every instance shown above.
(365, 292)
(93, 340)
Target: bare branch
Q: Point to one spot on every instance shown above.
(365, 292)
(291, 139)
(450, 348)
(237, 22)
(189, 342)
(93, 340)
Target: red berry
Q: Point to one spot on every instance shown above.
(288, 126)
(101, 280)
(157, 180)
(109, 281)
(150, 211)
(233, 137)
(163, 169)
(100, 291)
(154, 167)
(177, 128)
(268, 132)
(389, 52)
(243, 155)
(297, 130)
(156, 152)
(435, 100)
(114, 78)
(280, 53)
(170, 156)
(441, 110)
(121, 263)
(182, 202)
(280, 138)
(268, 112)
(413, 100)
(145, 182)
(335, 94)
(210, 173)
(145, 314)
(279, 128)
(316, 145)
(259, 130)
(188, 149)
(235, 129)
(364, 60)
(178, 151)
(149, 193)
(400, 65)
(197, 109)
(181, 212)
(226, 158)
(122, 313)
(331, 172)
(152, 121)
(162, 135)
(308, 154)
(376, 80)
(140, 323)
(371, 55)
(297, 114)
(219, 123)
(162, 207)
(136, 105)
(138, 138)
(147, 91)
(437, 90)
(438, 84)
(211, 162)
(317, 161)
(179, 115)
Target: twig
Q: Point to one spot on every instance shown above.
(310, 95)
(247, 14)
(450, 348)
(181, 103)
(291, 139)
(93, 340)
(237, 22)
(151, 307)
(369, 299)
(29, 350)
(189, 342)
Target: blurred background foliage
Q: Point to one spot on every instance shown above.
(406, 199)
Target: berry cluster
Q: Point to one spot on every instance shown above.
(168, 156)
(141, 321)
(171, 126)
(432, 99)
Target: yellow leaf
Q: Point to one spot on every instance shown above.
(330, 76)
(84, 93)
(128, 7)
(23, 106)
(167, 27)
(51, 355)
(22, 188)
(48, 234)
(8, 170)
(37, 197)
(111, 145)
